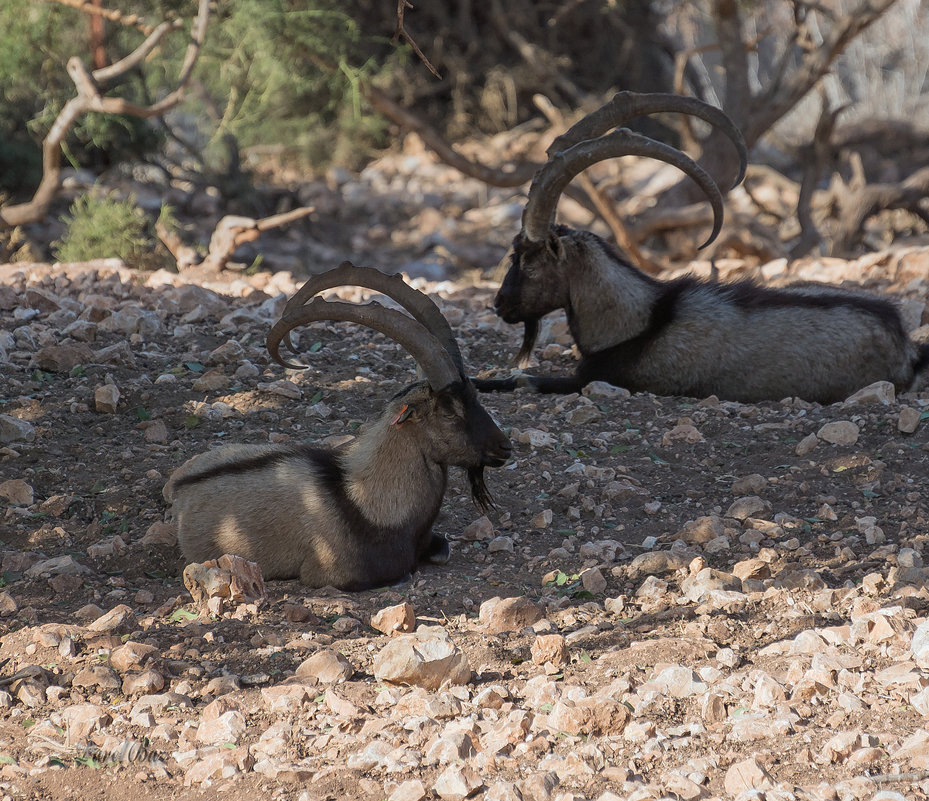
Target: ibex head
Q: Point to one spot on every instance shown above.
(442, 413)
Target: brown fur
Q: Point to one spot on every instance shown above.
(688, 337)
(354, 518)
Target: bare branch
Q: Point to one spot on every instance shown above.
(769, 106)
(400, 32)
(738, 94)
(857, 206)
(814, 157)
(108, 14)
(232, 231)
(138, 55)
(518, 175)
(89, 99)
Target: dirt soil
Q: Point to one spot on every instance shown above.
(797, 669)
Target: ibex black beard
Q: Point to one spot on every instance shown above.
(530, 334)
(479, 491)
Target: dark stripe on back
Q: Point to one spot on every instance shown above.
(748, 295)
(240, 467)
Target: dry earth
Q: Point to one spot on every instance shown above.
(731, 598)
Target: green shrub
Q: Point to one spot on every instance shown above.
(101, 226)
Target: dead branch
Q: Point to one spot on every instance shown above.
(855, 207)
(232, 231)
(888, 778)
(814, 158)
(768, 106)
(111, 15)
(89, 98)
(517, 175)
(546, 72)
(671, 219)
(400, 32)
(755, 112)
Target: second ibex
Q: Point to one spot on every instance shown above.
(360, 516)
(739, 341)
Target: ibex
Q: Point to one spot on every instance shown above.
(738, 341)
(360, 516)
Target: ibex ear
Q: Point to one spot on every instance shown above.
(402, 415)
(554, 246)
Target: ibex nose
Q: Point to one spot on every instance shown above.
(499, 452)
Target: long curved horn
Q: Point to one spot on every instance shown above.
(625, 106)
(548, 184)
(561, 168)
(428, 351)
(417, 303)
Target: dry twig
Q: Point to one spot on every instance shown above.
(109, 14)
(400, 33)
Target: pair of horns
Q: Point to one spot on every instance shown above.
(588, 142)
(426, 336)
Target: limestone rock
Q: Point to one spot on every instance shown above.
(480, 529)
(410, 790)
(106, 398)
(549, 648)
(132, 656)
(748, 506)
(427, 658)
(589, 716)
(119, 620)
(84, 719)
(839, 432)
(508, 614)
(457, 782)
(63, 358)
(397, 619)
(12, 429)
(749, 774)
(327, 666)
(908, 420)
(16, 492)
(160, 534)
(227, 579)
(880, 392)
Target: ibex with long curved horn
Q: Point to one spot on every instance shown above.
(738, 341)
(360, 516)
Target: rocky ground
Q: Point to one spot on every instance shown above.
(674, 597)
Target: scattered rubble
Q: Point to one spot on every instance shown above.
(674, 597)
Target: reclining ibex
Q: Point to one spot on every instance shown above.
(738, 341)
(360, 516)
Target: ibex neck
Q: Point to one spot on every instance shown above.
(610, 302)
(390, 480)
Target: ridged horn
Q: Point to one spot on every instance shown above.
(426, 349)
(417, 303)
(577, 149)
(551, 180)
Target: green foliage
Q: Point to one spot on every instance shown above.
(102, 226)
(289, 73)
(36, 41)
